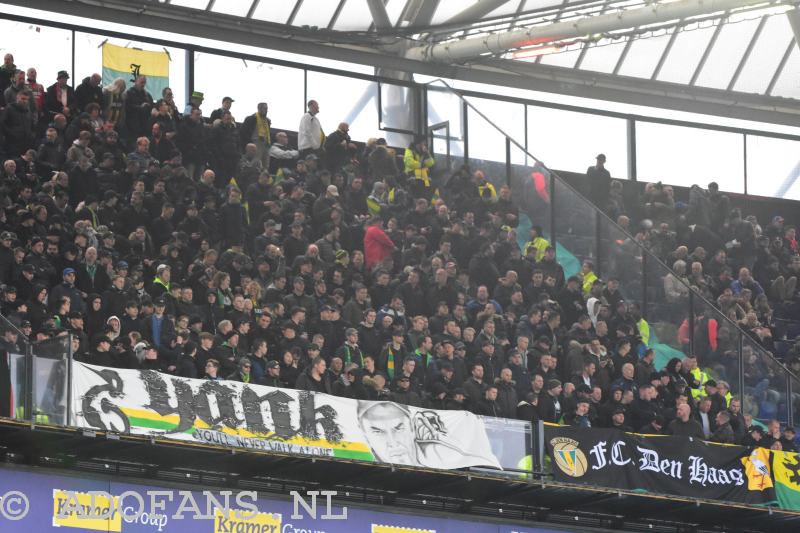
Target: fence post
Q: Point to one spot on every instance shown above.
(69, 354)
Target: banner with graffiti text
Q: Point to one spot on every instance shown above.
(665, 465)
(256, 417)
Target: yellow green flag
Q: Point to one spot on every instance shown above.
(128, 63)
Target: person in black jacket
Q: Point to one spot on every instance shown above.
(187, 365)
(313, 379)
(273, 376)
(16, 125)
(338, 148)
(233, 219)
(55, 97)
(488, 406)
(550, 409)
(89, 92)
(138, 104)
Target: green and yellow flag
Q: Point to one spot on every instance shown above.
(128, 63)
(786, 470)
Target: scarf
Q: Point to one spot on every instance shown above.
(262, 127)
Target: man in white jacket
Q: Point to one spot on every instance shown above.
(310, 136)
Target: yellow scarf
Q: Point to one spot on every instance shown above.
(262, 128)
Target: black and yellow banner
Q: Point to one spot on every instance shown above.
(668, 465)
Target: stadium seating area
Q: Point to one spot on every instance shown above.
(185, 241)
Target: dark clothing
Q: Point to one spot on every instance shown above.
(306, 382)
(86, 94)
(690, 428)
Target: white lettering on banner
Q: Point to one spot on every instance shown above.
(700, 472)
(616, 454)
(598, 451)
(650, 460)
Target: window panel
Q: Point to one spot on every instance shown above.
(770, 164)
(353, 101)
(603, 58)
(643, 56)
(315, 13)
(566, 58)
(53, 50)
(685, 55)
(788, 84)
(355, 16)
(491, 145)
(726, 54)
(398, 107)
(238, 8)
(448, 8)
(683, 156)
(196, 4)
(446, 107)
(280, 87)
(567, 140)
(274, 11)
(766, 55)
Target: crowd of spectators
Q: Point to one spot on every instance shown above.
(185, 242)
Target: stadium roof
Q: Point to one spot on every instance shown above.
(736, 58)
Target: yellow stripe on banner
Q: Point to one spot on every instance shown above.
(199, 424)
(150, 63)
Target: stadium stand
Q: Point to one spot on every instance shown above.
(189, 243)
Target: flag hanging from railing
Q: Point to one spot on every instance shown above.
(129, 63)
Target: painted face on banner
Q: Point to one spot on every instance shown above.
(390, 434)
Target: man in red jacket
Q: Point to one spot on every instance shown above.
(378, 247)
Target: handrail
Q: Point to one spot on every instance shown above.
(613, 223)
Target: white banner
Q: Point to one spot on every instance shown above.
(233, 414)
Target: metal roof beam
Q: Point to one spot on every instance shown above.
(476, 11)
(379, 16)
(794, 22)
(747, 53)
(500, 43)
(184, 24)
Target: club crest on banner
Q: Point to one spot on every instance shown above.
(568, 456)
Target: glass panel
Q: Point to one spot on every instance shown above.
(530, 190)
(447, 107)
(588, 134)
(276, 11)
(355, 16)
(50, 380)
(237, 8)
(603, 57)
(285, 99)
(394, 8)
(89, 59)
(354, 101)
(55, 43)
(667, 310)
(196, 4)
(485, 140)
(315, 13)
(788, 84)
(399, 107)
(685, 54)
(448, 8)
(726, 54)
(510, 441)
(765, 56)
(772, 167)
(764, 384)
(620, 258)
(715, 339)
(644, 55)
(17, 365)
(564, 58)
(705, 156)
(574, 230)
